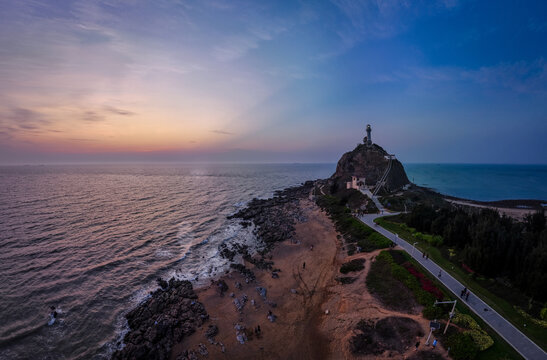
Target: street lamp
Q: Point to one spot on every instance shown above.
(414, 247)
(451, 314)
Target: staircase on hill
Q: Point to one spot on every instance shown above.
(382, 180)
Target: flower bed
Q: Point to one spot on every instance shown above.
(425, 283)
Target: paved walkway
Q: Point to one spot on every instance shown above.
(527, 348)
(374, 199)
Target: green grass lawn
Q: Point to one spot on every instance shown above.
(535, 332)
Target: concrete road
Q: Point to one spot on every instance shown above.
(522, 344)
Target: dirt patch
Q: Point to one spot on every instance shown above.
(427, 355)
(392, 333)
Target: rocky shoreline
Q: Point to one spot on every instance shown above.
(173, 312)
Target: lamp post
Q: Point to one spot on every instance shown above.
(433, 325)
(451, 314)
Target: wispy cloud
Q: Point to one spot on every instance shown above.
(521, 76)
(236, 46)
(378, 19)
(118, 111)
(222, 132)
(82, 140)
(92, 116)
(25, 120)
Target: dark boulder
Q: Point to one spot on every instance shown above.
(171, 313)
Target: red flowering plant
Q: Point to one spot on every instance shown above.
(425, 283)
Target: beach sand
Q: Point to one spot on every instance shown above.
(302, 329)
(515, 213)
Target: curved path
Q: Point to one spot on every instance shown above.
(522, 344)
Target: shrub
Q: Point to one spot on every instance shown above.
(431, 312)
(379, 240)
(353, 265)
(462, 346)
(465, 321)
(542, 323)
(346, 280)
(481, 339)
(433, 240)
(351, 249)
(436, 240)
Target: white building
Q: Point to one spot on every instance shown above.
(355, 183)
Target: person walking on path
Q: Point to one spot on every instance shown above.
(467, 296)
(440, 273)
(462, 294)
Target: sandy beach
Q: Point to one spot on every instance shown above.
(515, 213)
(315, 314)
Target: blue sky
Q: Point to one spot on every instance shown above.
(439, 81)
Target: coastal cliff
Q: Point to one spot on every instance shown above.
(369, 162)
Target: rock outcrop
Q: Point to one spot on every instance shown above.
(274, 218)
(171, 313)
(369, 162)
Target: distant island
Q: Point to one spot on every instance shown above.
(322, 284)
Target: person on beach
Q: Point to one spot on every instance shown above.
(52, 316)
(304, 265)
(434, 343)
(416, 346)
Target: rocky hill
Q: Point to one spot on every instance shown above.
(369, 162)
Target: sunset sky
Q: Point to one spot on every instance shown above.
(272, 81)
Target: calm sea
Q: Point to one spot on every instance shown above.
(482, 182)
(91, 240)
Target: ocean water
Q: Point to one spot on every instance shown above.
(92, 240)
(482, 182)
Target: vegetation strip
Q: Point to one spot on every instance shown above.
(533, 329)
(357, 235)
(468, 338)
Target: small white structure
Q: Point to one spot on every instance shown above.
(355, 183)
